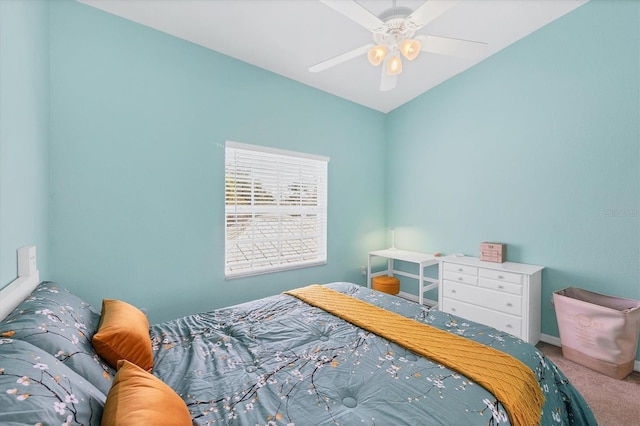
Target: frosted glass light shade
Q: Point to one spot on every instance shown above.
(394, 65)
(377, 54)
(410, 48)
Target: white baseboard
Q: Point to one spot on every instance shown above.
(555, 341)
(552, 340)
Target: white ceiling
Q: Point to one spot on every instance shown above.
(288, 36)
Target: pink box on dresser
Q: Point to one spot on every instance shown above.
(493, 252)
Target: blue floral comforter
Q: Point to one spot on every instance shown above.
(279, 361)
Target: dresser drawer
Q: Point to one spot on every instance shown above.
(500, 286)
(461, 278)
(500, 275)
(484, 297)
(461, 269)
(501, 321)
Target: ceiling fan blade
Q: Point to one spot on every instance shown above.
(387, 82)
(451, 46)
(362, 50)
(427, 12)
(357, 13)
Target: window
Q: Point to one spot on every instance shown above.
(275, 210)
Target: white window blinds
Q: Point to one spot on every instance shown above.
(275, 210)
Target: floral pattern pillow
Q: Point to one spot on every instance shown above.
(62, 325)
(38, 389)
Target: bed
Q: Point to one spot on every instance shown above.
(273, 361)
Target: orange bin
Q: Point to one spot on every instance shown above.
(386, 284)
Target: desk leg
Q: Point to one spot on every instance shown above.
(369, 272)
(421, 284)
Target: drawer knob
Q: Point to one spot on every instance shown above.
(460, 278)
(453, 309)
(460, 269)
(509, 304)
(501, 287)
(500, 277)
(509, 326)
(453, 291)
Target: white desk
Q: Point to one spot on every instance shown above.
(421, 259)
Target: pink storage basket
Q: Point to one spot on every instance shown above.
(598, 331)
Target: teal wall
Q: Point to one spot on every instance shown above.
(24, 133)
(139, 121)
(537, 147)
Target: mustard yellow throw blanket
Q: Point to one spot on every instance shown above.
(507, 378)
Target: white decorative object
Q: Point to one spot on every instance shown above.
(505, 295)
(393, 239)
(27, 261)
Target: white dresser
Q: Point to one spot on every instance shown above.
(505, 295)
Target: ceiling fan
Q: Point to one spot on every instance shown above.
(394, 35)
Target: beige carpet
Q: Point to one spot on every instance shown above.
(614, 402)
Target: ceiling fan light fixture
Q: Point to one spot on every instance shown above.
(410, 48)
(377, 54)
(394, 65)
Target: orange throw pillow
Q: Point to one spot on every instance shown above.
(140, 398)
(123, 333)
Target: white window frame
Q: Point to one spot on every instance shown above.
(275, 210)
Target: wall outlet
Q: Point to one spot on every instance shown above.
(363, 271)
